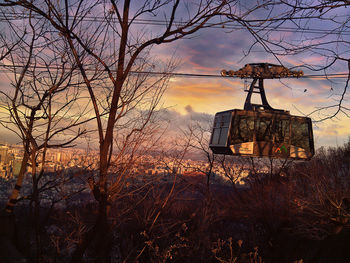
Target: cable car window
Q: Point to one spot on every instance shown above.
(243, 129)
(264, 129)
(220, 129)
(225, 120)
(216, 131)
(300, 134)
(216, 135)
(223, 136)
(282, 131)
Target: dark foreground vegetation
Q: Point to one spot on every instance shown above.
(299, 214)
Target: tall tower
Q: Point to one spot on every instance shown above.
(58, 157)
(3, 154)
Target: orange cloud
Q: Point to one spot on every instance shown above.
(205, 96)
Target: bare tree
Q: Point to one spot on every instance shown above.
(41, 107)
(330, 42)
(322, 195)
(114, 48)
(9, 40)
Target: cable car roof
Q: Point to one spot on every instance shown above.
(262, 70)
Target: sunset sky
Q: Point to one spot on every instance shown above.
(213, 49)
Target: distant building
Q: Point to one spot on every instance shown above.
(4, 162)
(58, 157)
(16, 166)
(3, 154)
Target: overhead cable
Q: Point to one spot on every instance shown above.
(9, 69)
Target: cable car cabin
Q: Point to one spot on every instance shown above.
(262, 133)
(259, 130)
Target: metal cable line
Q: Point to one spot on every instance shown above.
(13, 16)
(7, 69)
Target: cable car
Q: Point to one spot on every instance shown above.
(259, 130)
